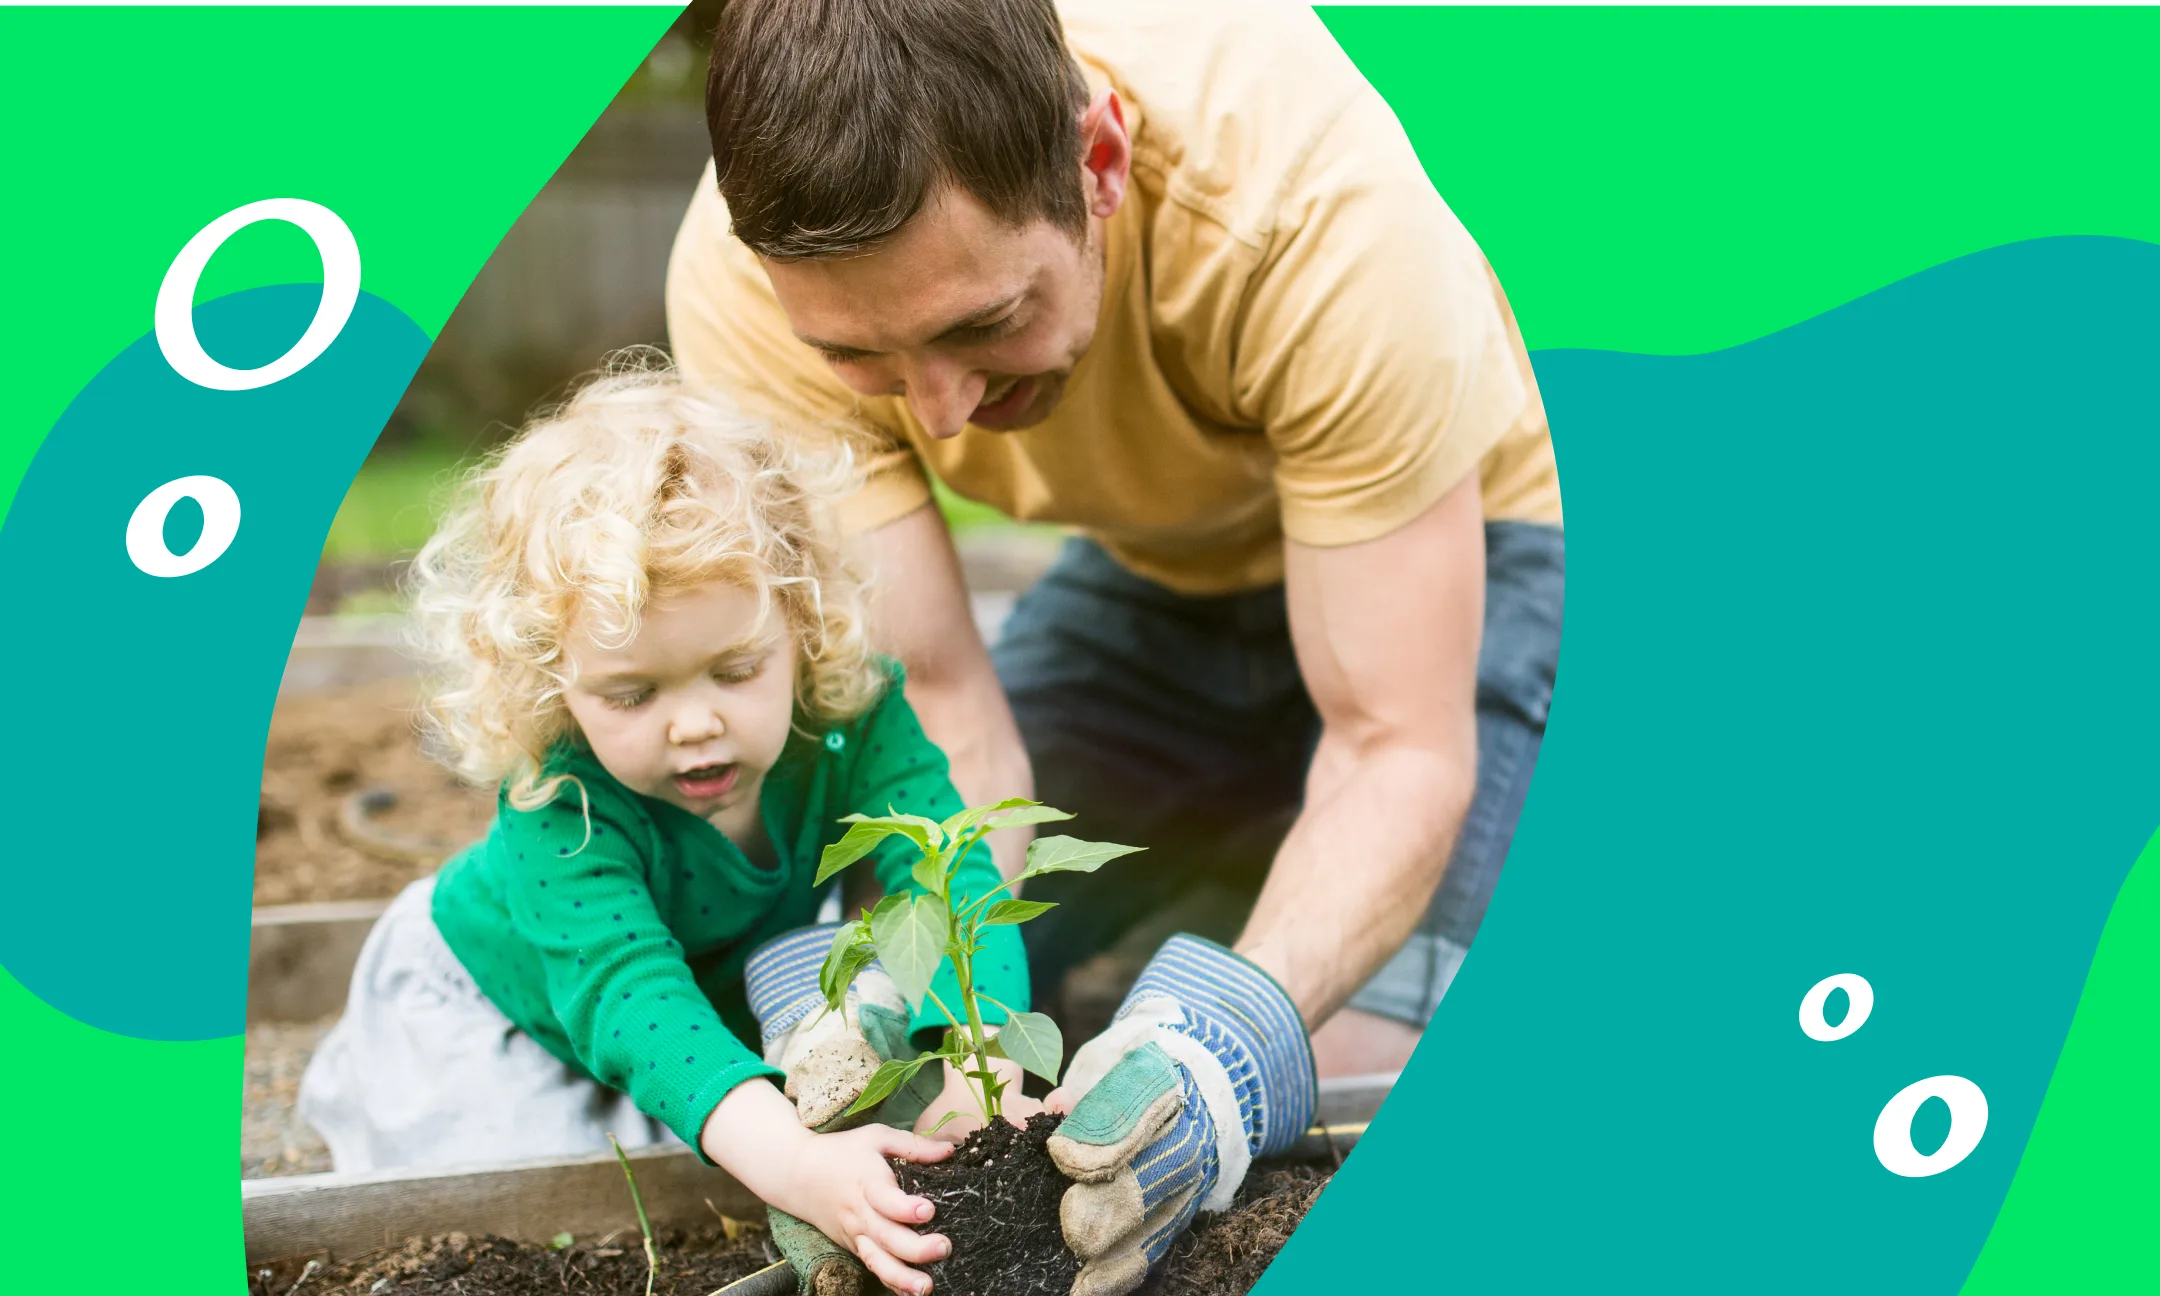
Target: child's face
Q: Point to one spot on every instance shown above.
(696, 708)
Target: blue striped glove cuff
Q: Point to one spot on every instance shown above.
(781, 979)
(1238, 1013)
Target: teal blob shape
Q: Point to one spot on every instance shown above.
(1856, 678)
(141, 704)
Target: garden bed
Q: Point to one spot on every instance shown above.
(1223, 1255)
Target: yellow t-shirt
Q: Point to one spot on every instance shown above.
(1297, 337)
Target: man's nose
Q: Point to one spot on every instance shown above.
(944, 394)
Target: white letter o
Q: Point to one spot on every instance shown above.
(146, 529)
(1860, 1001)
(176, 296)
(1893, 1129)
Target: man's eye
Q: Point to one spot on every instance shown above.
(979, 334)
(627, 701)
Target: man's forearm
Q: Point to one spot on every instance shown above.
(969, 718)
(921, 614)
(1358, 868)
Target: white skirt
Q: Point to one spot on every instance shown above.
(423, 1071)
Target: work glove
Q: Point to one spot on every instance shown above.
(1205, 1067)
(829, 1058)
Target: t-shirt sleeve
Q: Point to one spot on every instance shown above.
(616, 977)
(729, 331)
(1371, 344)
(899, 768)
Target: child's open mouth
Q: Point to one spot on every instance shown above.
(706, 781)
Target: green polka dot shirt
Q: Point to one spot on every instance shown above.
(623, 955)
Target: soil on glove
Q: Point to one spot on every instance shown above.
(997, 1201)
(691, 1264)
(323, 749)
(1224, 1255)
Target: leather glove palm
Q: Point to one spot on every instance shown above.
(1206, 1066)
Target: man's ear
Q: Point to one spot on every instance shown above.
(1106, 153)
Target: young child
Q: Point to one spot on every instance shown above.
(643, 630)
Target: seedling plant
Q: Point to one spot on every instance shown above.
(911, 934)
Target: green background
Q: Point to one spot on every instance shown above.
(1657, 181)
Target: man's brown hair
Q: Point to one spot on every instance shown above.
(833, 120)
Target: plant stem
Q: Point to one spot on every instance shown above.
(970, 910)
(637, 1199)
(978, 1042)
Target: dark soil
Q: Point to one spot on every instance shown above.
(997, 1203)
(1224, 1255)
(690, 1265)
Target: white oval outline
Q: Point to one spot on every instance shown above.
(175, 316)
(1893, 1129)
(1856, 988)
(146, 526)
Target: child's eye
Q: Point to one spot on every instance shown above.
(627, 701)
(739, 673)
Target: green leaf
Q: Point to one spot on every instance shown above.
(1032, 1040)
(910, 939)
(1071, 855)
(959, 823)
(883, 1081)
(940, 1123)
(929, 873)
(560, 1242)
(851, 952)
(862, 835)
(1034, 815)
(927, 833)
(1015, 911)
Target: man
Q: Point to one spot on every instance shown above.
(1168, 273)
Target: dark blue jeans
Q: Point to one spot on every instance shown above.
(1180, 723)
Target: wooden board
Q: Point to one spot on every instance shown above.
(349, 1215)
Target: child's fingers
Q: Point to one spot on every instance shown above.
(888, 1270)
(910, 1147)
(895, 1203)
(903, 1243)
(1058, 1101)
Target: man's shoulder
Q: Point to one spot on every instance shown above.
(1231, 96)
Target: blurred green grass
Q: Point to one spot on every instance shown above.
(399, 495)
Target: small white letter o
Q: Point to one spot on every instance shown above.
(176, 296)
(1862, 1002)
(1893, 1129)
(146, 529)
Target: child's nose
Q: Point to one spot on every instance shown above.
(694, 723)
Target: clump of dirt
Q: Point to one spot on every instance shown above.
(691, 1264)
(1224, 1255)
(997, 1201)
(325, 749)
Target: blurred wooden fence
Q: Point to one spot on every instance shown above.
(580, 273)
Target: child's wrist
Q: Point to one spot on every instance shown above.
(753, 1134)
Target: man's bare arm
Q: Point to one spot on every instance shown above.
(1387, 637)
(920, 614)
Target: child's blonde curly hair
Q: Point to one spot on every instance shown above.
(636, 486)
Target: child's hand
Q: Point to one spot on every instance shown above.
(841, 1184)
(956, 1113)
